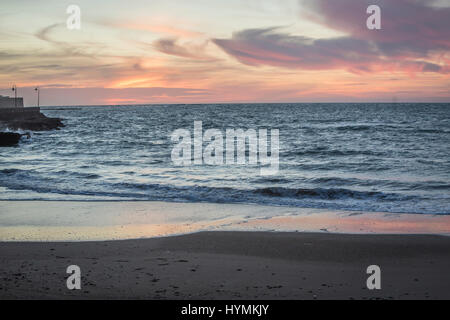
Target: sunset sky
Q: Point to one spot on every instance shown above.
(202, 51)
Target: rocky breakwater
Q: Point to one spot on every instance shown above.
(28, 119)
(24, 119)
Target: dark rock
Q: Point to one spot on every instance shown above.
(8, 139)
(36, 123)
(28, 119)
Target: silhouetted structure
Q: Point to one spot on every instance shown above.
(8, 102)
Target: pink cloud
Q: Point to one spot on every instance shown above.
(412, 36)
(412, 26)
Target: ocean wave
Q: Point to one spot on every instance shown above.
(321, 151)
(9, 171)
(333, 198)
(438, 131)
(329, 194)
(354, 128)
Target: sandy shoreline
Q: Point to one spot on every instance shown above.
(231, 265)
(121, 220)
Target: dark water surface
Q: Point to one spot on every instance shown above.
(370, 157)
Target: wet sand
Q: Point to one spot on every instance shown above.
(231, 265)
(122, 220)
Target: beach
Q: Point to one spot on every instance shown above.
(163, 250)
(226, 151)
(231, 265)
(123, 220)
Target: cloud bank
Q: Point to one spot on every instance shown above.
(415, 37)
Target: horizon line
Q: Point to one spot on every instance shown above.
(228, 103)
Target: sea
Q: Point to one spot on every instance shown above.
(377, 157)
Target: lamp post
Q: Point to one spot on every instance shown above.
(14, 88)
(37, 90)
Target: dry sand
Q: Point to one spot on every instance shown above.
(231, 265)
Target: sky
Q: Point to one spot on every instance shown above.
(212, 51)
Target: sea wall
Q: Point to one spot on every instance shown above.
(8, 102)
(18, 113)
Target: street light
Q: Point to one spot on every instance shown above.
(14, 88)
(37, 90)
